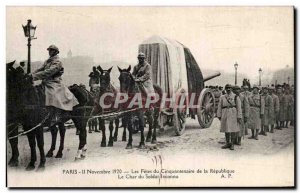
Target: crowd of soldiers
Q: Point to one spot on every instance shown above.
(260, 109)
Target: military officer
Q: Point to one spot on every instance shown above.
(256, 112)
(283, 107)
(245, 113)
(142, 74)
(59, 98)
(230, 114)
(94, 78)
(274, 111)
(269, 108)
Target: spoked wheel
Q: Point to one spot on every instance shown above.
(206, 109)
(180, 120)
(180, 115)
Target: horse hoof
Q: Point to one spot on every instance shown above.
(30, 167)
(110, 144)
(59, 155)
(41, 167)
(13, 163)
(153, 141)
(49, 154)
(129, 146)
(103, 144)
(142, 146)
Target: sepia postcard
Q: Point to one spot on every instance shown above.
(150, 96)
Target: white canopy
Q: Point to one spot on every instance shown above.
(168, 63)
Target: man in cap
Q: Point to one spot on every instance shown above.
(274, 111)
(142, 74)
(269, 108)
(230, 114)
(256, 112)
(245, 113)
(246, 93)
(283, 107)
(94, 78)
(291, 106)
(59, 99)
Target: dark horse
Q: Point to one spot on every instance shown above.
(130, 87)
(34, 112)
(106, 87)
(13, 110)
(246, 82)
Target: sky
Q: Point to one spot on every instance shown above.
(218, 37)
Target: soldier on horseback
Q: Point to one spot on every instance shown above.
(142, 74)
(58, 97)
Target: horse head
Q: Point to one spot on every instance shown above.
(104, 77)
(126, 79)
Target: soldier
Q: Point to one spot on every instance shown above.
(94, 77)
(142, 74)
(246, 93)
(59, 99)
(230, 114)
(283, 107)
(256, 112)
(269, 108)
(291, 106)
(274, 111)
(245, 113)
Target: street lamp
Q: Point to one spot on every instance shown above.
(259, 71)
(29, 31)
(235, 67)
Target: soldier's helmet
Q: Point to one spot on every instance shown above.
(255, 86)
(141, 55)
(228, 86)
(53, 47)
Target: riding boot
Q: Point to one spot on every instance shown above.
(256, 134)
(227, 145)
(272, 129)
(252, 137)
(239, 140)
(233, 139)
(265, 133)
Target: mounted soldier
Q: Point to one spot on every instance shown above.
(142, 74)
(58, 98)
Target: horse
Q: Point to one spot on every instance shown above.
(34, 112)
(246, 82)
(13, 111)
(130, 87)
(106, 87)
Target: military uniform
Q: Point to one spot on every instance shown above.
(245, 113)
(291, 106)
(57, 95)
(143, 74)
(229, 110)
(274, 113)
(283, 107)
(257, 105)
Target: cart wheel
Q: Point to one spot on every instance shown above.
(206, 109)
(180, 116)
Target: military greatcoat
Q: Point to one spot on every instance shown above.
(274, 113)
(269, 108)
(57, 95)
(257, 107)
(143, 74)
(229, 110)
